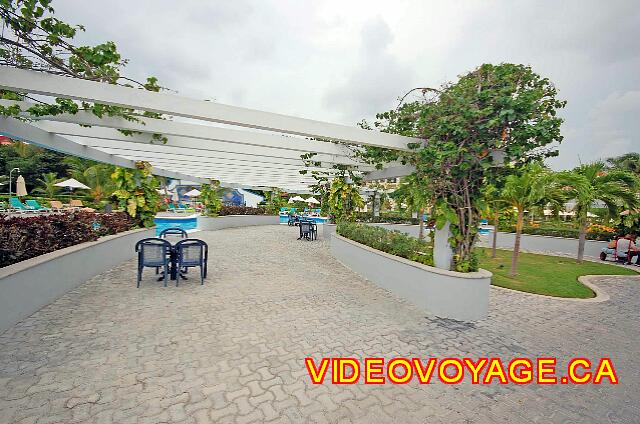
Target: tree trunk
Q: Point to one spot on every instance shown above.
(516, 245)
(421, 221)
(582, 238)
(494, 243)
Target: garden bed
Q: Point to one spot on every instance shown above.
(444, 293)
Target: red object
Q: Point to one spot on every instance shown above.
(5, 140)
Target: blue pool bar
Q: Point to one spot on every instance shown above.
(186, 222)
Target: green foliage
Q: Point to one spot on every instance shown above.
(589, 183)
(48, 184)
(274, 200)
(33, 162)
(495, 108)
(393, 242)
(33, 38)
(210, 197)
(136, 192)
(344, 199)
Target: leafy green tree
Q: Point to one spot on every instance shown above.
(48, 185)
(592, 182)
(491, 205)
(210, 197)
(344, 199)
(629, 162)
(412, 193)
(531, 187)
(492, 115)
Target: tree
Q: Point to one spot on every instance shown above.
(592, 182)
(492, 204)
(412, 193)
(34, 38)
(531, 187)
(344, 199)
(494, 111)
(48, 184)
(628, 162)
(210, 197)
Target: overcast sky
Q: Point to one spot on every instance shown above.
(342, 61)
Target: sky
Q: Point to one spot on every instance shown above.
(343, 61)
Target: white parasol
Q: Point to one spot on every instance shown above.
(21, 189)
(71, 183)
(193, 193)
(313, 200)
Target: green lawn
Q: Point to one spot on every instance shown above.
(542, 274)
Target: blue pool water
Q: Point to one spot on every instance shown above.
(189, 222)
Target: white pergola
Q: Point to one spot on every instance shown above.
(252, 149)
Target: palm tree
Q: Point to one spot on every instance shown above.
(628, 162)
(47, 184)
(593, 182)
(492, 204)
(533, 186)
(98, 177)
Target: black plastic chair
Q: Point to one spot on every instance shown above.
(192, 253)
(153, 253)
(173, 232)
(306, 230)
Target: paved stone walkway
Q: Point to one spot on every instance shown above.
(232, 350)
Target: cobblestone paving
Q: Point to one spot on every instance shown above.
(232, 350)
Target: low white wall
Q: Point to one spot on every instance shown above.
(29, 285)
(530, 243)
(447, 294)
(206, 223)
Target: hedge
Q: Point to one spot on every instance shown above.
(243, 210)
(560, 232)
(393, 242)
(25, 237)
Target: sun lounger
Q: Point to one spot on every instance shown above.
(17, 206)
(32, 203)
(77, 204)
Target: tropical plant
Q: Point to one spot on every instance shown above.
(492, 204)
(210, 197)
(593, 182)
(344, 199)
(136, 190)
(532, 186)
(413, 192)
(493, 115)
(98, 178)
(48, 185)
(628, 162)
(275, 201)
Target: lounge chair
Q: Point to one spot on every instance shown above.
(174, 231)
(17, 206)
(32, 203)
(192, 253)
(78, 205)
(57, 205)
(3, 207)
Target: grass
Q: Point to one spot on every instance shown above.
(542, 274)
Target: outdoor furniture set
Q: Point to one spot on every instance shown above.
(173, 259)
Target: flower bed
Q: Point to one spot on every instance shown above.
(393, 242)
(242, 210)
(25, 237)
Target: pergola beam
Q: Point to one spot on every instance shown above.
(79, 89)
(190, 143)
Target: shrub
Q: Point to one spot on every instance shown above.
(393, 242)
(25, 237)
(565, 232)
(242, 210)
